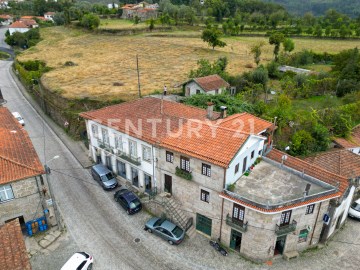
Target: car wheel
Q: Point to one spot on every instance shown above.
(149, 230)
(90, 266)
(128, 212)
(171, 242)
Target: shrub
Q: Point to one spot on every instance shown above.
(90, 21)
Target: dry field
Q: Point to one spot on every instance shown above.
(106, 64)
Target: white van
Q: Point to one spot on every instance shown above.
(80, 260)
(19, 118)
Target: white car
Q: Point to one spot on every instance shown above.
(79, 261)
(19, 118)
(354, 210)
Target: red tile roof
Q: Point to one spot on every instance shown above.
(29, 22)
(18, 24)
(211, 82)
(341, 162)
(212, 142)
(352, 142)
(18, 158)
(310, 169)
(13, 254)
(50, 13)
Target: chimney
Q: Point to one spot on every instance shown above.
(223, 111)
(210, 109)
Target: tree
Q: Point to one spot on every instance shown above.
(205, 68)
(59, 18)
(302, 143)
(256, 51)
(328, 31)
(317, 31)
(289, 45)
(151, 23)
(212, 37)
(276, 39)
(90, 21)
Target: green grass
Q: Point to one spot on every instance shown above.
(121, 24)
(319, 67)
(316, 103)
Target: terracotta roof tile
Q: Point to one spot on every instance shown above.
(13, 254)
(352, 142)
(18, 24)
(211, 82)
(216, 141)
(310, 169)
(18, 158)
(341, 162)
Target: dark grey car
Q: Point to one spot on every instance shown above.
(166, 230)
(104, 176)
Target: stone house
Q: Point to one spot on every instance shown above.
(13, 253)
(22, 185)
(142, 10)
(352, 144)
(208, 162)
(211, 85)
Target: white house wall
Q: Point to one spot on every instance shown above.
(145, 167)
(355, 150)
(194, 86)
(253, 143)
(21, 30)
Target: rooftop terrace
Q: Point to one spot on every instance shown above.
(273, 185)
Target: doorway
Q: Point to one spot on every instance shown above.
(168, 184)
(280, 245)
(235, 240)
(148, 185)
(203, 224)
(108, 163)
(135, 177)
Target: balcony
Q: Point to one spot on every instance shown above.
(236, 224)
(285, 229)
(183, 174)
(134, 160)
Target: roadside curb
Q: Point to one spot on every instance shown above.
(76, 149)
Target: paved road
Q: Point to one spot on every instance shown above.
(97, 225)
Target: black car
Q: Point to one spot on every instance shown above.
(128, 200)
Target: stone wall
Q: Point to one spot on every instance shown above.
(188, 192)
(25, 203)
(258, 242)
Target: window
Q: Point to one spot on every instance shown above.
(206, 170)
(310, 209)
(252, 154)
(238, 212)
(244, 165)
(260, 152)
(146, 153)
(303, 235)
(169, 157)
(217, 91)
(6, 193)
(197, 91)
(205, 196)
(132, 149)
(236, 168)
(105, 136)
(95, 131)
(185, 164)
(285, 218)
(118, 142)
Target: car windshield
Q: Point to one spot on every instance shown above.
(107, 177)
(355, 206)
(135, 203)
(19, 118)
(177, 231)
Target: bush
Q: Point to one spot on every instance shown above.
(90, 21)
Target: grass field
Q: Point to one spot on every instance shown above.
(106, 64)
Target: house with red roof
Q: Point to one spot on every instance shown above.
(221, 173)
(352, 144)
(142, 10)
(211, 85)
(49, 16)
(18, 26)
(13, 253)
(22, 184)
(5, 19)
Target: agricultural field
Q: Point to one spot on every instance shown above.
(104, 66)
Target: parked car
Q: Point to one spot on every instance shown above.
(19, 118)
(79, 261)
(165, 229)
(354, 210)
(104, 176)
(128, 200)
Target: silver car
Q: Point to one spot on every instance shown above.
(166, 230)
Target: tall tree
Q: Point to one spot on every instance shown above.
(212, 37)
(256, 51)
(276, 39)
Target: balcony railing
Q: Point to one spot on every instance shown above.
(183, 174)
(130, 158)
(285, 229)
(236, 224)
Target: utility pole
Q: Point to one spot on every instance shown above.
(57, 216)
(138, 74)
